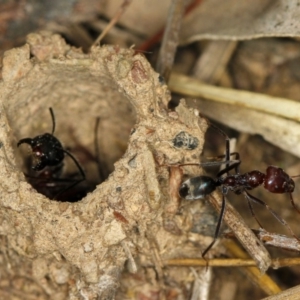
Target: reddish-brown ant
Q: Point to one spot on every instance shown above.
(275, 180)
(49, 154)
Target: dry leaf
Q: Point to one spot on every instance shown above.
(240, 20)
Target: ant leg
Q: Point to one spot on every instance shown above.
(236, 154)
(206, 164)
(248, 197)
(76, 181)
(235, 166)
(217, 231)
(76, 163)
(293, 203)
(282, 221)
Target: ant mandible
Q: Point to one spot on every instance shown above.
(48, 151)
(275, 180)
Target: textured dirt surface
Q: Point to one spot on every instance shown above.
(52, 249)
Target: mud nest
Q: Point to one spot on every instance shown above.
(84, 249)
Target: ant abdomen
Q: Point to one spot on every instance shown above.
(277, 181)
(197, 187)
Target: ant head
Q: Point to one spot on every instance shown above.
(46, 149)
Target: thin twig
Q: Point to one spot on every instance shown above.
(243, 233)
(229, 262)
(212, 63)
(278, 240)
(113, 21)
(266, 283)
(170, 39)
(290, 294)
(158, 35)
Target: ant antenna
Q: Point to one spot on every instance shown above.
(295, 176)
(80, 170)
(76, 163)
(75, 182)
(53, 119)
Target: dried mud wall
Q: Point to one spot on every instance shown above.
(64, 250)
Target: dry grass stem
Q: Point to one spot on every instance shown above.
(243, 233)
(290, 294)
(230, 262)
(191, 87)
(170, 39)
(113, 21)
(265, 282)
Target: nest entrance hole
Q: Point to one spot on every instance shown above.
(96, 135)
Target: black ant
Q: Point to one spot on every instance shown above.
(275, 180)
(49, 154)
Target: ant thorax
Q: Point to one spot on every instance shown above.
(240, 182)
